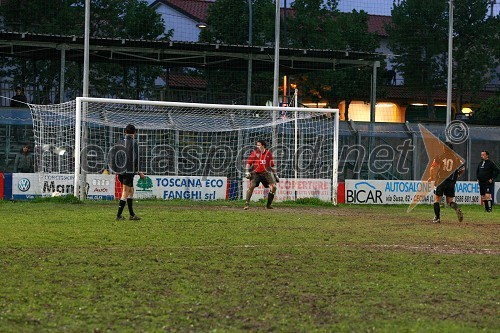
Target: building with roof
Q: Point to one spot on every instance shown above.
(397, 104)
(185, 17)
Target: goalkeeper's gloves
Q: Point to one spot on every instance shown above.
(248, 175)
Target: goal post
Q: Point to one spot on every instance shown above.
(191, 139)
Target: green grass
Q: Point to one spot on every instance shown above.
(212, 267)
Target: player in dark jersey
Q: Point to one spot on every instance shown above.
(262, 163)
(486, 173)
(125, 162)
(445, 174)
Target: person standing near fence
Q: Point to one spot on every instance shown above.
(19, 99)
(486, 173)
(125, 162)
(24, 161)
(261, 164)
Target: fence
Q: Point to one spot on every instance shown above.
(366, 150)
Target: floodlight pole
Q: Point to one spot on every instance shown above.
(61, 73)
(86, 50)
(86, 46)
(276, 54)
(276, 71)
(250, 55)
(450, 65)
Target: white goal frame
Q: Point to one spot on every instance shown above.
(81, 110)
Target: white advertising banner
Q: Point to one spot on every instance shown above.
(402, 192)
(497, 193)
(25, 186)
(290, 189)
(181, 187)
(30, 185)
(101, 187)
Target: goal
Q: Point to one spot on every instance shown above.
(191, 141)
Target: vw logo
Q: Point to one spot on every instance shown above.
(23, 184)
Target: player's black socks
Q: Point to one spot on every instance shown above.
(454, 205)
(121, 206)
(488, 205)
(437, 210)
(129, 204)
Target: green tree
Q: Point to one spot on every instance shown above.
(318, 24)
(145, 183)
(44, 17)
(228, 23)
(313, 25)
(353, 82)
(109, 18)
(489, 113)
(418, 36)
(476, 47)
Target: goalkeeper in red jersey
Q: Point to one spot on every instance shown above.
(261, 164)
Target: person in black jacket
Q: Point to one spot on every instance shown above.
(19, 99)
(125, 162)
(486, 173)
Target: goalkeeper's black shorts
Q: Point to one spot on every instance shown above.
(266, 178)
(447, 188)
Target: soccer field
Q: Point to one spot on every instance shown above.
(212, 267)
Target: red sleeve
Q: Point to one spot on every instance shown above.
(251, 158)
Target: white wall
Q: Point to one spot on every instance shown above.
(185, 28)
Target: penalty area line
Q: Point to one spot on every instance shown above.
(438, 249)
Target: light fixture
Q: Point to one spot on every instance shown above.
(59, 151)
(201, 25)
(55, 150)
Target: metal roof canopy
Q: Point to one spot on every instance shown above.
(184, 54)
(178, 54)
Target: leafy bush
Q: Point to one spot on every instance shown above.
(489, 113)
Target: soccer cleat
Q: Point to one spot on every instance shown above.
(460, 215)
(120, 218)
(134, 218)
(436, 220)
(246, 207)
(269, 207)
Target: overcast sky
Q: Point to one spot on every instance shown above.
(375, 7)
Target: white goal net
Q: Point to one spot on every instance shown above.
(190, 141)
